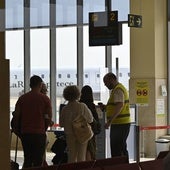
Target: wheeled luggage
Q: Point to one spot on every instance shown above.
(60, 149)
(14, 164)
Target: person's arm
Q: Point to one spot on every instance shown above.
(94, 112)
(118, 108)
(16, 120)
(87, 114)
(119, 103)
(102, 106)
(48, 116)
(17, 110)
(61, 118)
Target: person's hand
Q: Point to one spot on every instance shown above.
(102, 106)
(48, 123)
(107, 124)
(51, 123)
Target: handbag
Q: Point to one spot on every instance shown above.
(96, 126)
(82, 129)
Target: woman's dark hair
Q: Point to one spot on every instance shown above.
(86, 94)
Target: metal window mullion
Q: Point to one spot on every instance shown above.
(26, 45)
(108, 58)
(53, 57)
(80, 65)
(108, 49)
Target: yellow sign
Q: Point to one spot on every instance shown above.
(142, 92)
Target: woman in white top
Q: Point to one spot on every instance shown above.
(76, 150)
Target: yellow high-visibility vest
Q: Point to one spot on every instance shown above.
(124, 116)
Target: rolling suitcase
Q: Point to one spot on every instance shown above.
(14, 164)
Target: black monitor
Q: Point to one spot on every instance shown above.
(104, 29)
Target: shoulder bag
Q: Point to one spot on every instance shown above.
(96, 126)
(82, 129)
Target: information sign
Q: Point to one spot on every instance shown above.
(134, 20)
(104, 29)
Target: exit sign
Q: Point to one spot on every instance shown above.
(135, 21)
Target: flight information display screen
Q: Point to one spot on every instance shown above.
(104, 29)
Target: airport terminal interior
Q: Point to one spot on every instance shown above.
(76, 42)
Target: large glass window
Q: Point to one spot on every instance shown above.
(54, 32)
(66, 43)
(14, 13)
(92, 6)
(39, 11)
(94, 63)
(40, 54)
(15, 54)
(40, 48)
(122, 6)
(122, 53)
(66, 12)
(66, 62)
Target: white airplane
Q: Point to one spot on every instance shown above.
(65, 77)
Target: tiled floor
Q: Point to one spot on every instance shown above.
(20, 156)
(49, 157)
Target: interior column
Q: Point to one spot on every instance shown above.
(4, 98)
(148, 69)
